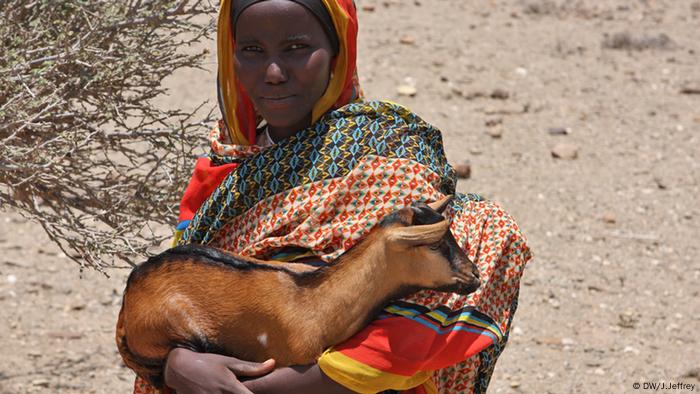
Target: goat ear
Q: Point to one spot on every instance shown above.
(442, 203)
(419, 235)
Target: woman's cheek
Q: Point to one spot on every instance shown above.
(244, 72)
(237, 65)
(318, 68)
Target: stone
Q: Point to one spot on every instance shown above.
(463, 170)
(407, 40)
(627, 320)
(406, 90)
(495, 132)
(661, 183)
(514, 109)
(64, 335)
(500, 94)
(565, 151)
(559, 130)
(690, 89)
(609, 218)
(554, 341)
(692, 373)
(493, 122)
(630, 349)
(41, 383)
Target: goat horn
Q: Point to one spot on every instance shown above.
(441, 204)
(419, 234)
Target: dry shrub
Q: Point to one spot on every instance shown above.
(541, 7)
(630, 42)
(567, 8)
(84, 150)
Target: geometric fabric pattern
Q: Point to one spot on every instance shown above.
(322, 190)
(330, 149)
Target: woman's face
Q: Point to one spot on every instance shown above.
(283, 59)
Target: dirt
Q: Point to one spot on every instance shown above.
(611, 298)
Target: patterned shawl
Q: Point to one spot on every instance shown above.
(323, 189)
(327, 186)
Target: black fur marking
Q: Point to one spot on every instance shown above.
(422, 214)
(156, 365)
(211, 256)
(393, 218)
(153, 364)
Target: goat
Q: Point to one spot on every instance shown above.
(207, 300)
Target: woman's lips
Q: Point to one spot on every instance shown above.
(277, 102)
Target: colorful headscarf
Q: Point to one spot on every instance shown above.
(236, 106)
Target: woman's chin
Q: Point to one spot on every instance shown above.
(287, 121)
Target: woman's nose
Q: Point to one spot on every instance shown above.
(274, 74)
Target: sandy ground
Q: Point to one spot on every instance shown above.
(611, 298)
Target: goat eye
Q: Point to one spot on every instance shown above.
(435, 246)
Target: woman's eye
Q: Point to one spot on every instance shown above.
(252, 48)
(298, 46)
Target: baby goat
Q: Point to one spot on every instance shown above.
(207, 300)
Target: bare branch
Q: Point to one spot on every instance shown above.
(84, 151)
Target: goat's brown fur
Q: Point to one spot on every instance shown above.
(256, 309)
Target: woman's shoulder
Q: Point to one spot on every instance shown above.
(378, 106)
(383, 111)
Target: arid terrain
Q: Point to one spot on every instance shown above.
(610, 87)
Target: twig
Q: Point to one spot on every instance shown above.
(638, 237)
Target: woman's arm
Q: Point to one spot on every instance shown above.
(190, 372)
(307, 379)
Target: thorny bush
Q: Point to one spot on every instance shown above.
(84, 150)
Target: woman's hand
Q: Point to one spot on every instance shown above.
(190, 372)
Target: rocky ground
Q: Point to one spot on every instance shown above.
(581, 117)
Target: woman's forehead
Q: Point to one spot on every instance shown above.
(284, 17)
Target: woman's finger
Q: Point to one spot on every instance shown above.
(237, 388)
(249, 368)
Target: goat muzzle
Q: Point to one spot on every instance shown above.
(467, 278)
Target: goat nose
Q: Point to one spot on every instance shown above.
(475, 271)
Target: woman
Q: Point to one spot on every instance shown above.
(301, 168)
